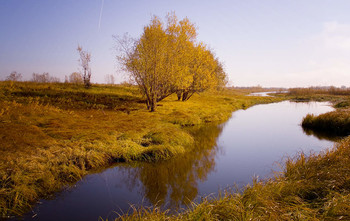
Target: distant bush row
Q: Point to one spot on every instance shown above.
(74, 78)
(320, 90)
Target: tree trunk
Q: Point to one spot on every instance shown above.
(179, 95)
(87, 85)
(147, 104)
(184, 96)
(153, 104)
(189, 96)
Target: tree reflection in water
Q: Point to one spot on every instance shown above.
(174, 183)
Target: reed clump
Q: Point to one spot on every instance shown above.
(335, 122)
(53, 134)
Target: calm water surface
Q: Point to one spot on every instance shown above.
(251, 144)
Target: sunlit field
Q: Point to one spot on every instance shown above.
(53, 134)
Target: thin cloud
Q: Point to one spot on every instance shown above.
(99, 22)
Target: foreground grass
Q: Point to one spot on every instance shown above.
(53, 134)
(315, 187)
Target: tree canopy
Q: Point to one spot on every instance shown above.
(168, 59)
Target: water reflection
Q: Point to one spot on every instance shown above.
(174, 183)
(322, 135)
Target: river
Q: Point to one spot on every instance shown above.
(252, 143)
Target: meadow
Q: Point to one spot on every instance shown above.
(52, 134)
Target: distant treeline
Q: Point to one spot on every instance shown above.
(259, 89)
(74, 78)
(320, 90)
(36, 77)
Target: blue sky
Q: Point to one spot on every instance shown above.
(267, 42)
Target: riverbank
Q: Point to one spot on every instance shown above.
(314, 187)
(335, 123)
(54, 134)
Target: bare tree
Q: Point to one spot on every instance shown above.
(109, 78)
(41, 78)
(76, 78)
(14, 76)
(54, 79)
(85, 58)
(44, 78)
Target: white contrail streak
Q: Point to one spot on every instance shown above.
(99, 22)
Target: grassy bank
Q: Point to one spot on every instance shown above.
(332, 94)
(336, 122)
(311, 91)
(53, 134)
(315, 187)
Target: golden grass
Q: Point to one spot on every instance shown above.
(336, 122)
(53, 134)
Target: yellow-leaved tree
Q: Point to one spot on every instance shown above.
(167, 59)
(205, 72)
